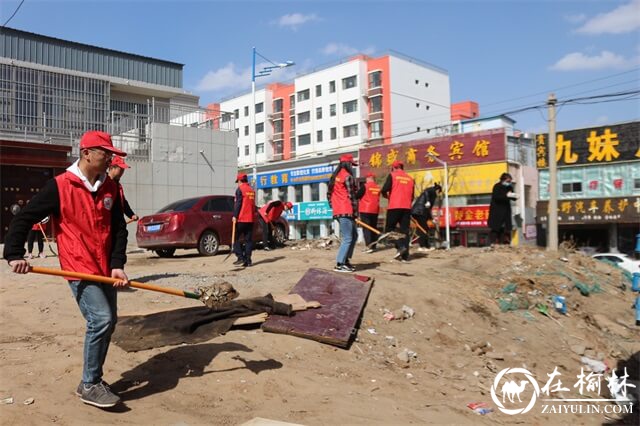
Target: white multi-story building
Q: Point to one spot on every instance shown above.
(304, 125)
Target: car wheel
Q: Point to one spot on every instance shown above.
(279, 235)
(208, 244)
(165, 252)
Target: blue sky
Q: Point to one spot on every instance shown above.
(494, 51)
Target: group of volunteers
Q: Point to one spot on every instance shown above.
(86, 207)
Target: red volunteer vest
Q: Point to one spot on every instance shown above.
(83, 229)
(401, 190)
(248, 208)
(340, 201)
(273, 214)
(370, 201)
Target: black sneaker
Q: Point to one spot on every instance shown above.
(267, 248)
(247, 264)
(238, 262)
(98, 395)
(343, 268)
(350, 266)
(79, 388)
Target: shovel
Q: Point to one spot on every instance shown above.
(380, 235)
(47, 239)
(233, 240)
(109, 280)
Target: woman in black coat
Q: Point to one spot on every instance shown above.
(421, 213)
(499, 220)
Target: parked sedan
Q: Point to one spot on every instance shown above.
(203, 223)
(621, 260)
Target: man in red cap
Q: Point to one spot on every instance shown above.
(269, 213)
(344, 203)
(244, 215)
(91, 233)
(116, 170)
(369, 207)
(398, 188)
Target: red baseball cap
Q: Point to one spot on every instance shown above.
(397, 164)
(348, 158)
(96, 139)
(119, 162)
(241, 176)
(288, 205)
(371, 174)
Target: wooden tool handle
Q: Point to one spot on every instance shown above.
(109, 280)
(131, 221)
(415, 222)
(43, 233)
(364, 225)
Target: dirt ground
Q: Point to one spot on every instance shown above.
(248, 373)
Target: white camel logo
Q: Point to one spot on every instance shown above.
(511, 389)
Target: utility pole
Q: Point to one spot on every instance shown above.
(552, 224)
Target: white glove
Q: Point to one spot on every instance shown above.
(427, 204)
(512, 195)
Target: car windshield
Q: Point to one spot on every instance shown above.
(179, 206)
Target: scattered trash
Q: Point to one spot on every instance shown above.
(406, 355)
(28, 401)
(409, 376)
(481, 408)
(6, 401)
(560, 303)
(408, 312)
(372, 331)
(510, 288)
(391, 340)
(389, 316)
(594, 365)
(564, 259)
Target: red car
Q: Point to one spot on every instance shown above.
(203, 223)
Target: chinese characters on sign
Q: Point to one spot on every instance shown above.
(468, 148)
(295, 176)
(620, 210)
(596, 145)
(463, 217)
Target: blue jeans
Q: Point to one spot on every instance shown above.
(349, 237)
(99, 305)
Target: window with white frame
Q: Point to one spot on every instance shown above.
(349, 82)
(304, 117)
(332, 110)
(350, 106)
(259, 127)
(332, 86)
(318, 113)
(319, 90)
(303, 95)
(376, 129)
(246, 111)
(277, 126)
(375, 104)
(259, 107)
(292, 122)
(375, 79)
(277, 105)
(304, 139)
(571, 187)
(246, 130)
(319, 136)
(260, 148)
(236, 113)
(334, 133)
(292, 102)
(246, 150)
(350, 131)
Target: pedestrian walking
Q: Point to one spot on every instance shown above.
(369, 208)
(343, 201)
(421, 213)
(268, 214)
(35, 234)
(244, 215)
(116, 170)
(499, 220)
(86, 213)
(398, 188)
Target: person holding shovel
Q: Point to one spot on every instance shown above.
(244, 215)
(35, 234)
(398, 188)
(369, 207)
(86, 212)
(342, 198)
(269, 213)
(421, 213)
(116, 170)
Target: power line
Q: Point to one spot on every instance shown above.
(14, 14)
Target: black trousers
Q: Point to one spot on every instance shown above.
(244, 232)
(503, 236)
(267, 234)
(370, 219)
(400, 217)
(423, 239)
(33, 235)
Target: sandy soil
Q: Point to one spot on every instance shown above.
(248, 373)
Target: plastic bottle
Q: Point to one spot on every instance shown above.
(560, 303)
(638, 310)
(635, 281)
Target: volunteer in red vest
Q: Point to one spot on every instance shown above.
(35, 234)
(398, 188)
(116, 170)
(92, 238)
(344, 202)
(244, 215)
(269, 213)
(369, 207)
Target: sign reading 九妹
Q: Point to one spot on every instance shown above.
(595, 145)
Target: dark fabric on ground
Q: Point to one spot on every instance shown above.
(189, 325)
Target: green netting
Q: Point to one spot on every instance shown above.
(510, 288)
(513, 303)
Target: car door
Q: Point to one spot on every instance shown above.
(220, 213)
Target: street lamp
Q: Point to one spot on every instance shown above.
(446, 198)
(262, 73)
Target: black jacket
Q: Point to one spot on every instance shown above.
(500, 209)
(418, 208)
